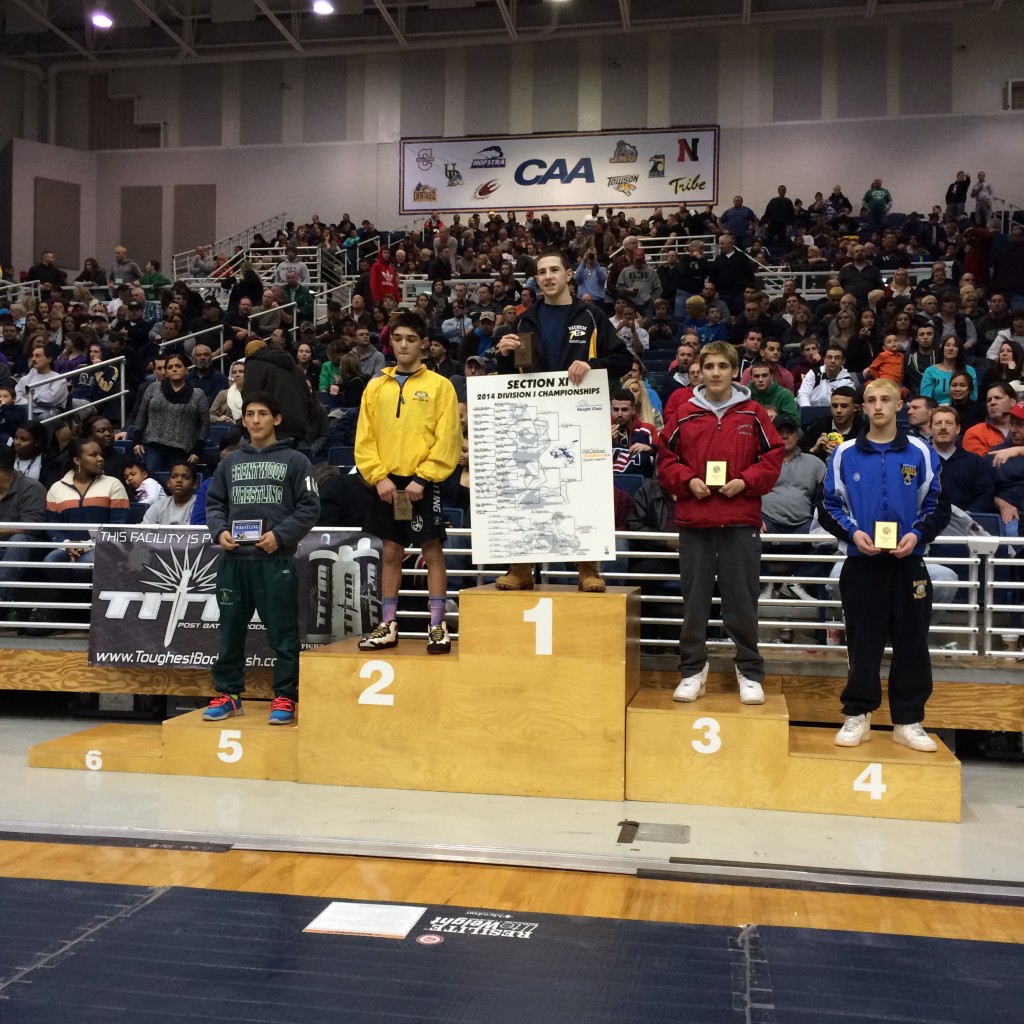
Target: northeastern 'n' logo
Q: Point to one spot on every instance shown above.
(909, 472)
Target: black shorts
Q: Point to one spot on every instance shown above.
(427, 517)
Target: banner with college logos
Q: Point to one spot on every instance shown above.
(551, 172)
(155, 596)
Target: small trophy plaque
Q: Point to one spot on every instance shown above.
(524, 354)
(885, 536)
(246, 531)
(402, 507)
(715, 473)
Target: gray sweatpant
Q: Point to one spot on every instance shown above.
(732, 555)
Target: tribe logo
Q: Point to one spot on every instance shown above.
(453, 174)
(657, 163)
(424, 194)
(909, 472)
(492, 156)
(179, 581)
(625, 183)
(421, 396)
(425, 159)
(624, 153)
(486, 189)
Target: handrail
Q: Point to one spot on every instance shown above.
(14, 291)
(67, 375)
(266, 312)
(180, 260)
(197, 334)
(680, 243)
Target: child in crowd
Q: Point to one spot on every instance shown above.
(888, 364)
(142, 488)
(408, 442)
(175, 508)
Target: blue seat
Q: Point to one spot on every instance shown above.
(216, 432)
(324, 398)
(628, 482)
(810, 413)
(124, 447)
(989, 521)
(136, 510)
(342, 455)
(455, 516)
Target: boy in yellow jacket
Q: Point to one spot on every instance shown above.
(408, 441)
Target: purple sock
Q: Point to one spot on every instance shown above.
(436, 605)
(389, 608)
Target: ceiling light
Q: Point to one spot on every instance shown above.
(323, 7)
(100, 19)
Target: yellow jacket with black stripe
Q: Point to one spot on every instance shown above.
(589, 338)
(409, 430)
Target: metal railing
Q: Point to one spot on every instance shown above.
(181, 260)
(968, 622)
(77, 409)
(221, 356)
(18, 291)
(263, 333)
(656, 249)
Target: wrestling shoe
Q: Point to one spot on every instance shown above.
(438, 640)
(379, 639)
(282, 711)
(855, 731)
(913, 736)
(224, 705)
(751, 691)
(691, 687)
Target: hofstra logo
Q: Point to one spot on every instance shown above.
(424, 194)
(492, 156)
(625, 153)
(179, 581)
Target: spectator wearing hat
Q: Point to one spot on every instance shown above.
(639, 283)
(459, 324)
(1007, 462)
(213, 316)
(480, 340)
(136, 328)
(789, 506)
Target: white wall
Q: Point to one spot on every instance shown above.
(746, 83)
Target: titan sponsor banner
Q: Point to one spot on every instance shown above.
(541, 463)
(155, 596)
(551, 172)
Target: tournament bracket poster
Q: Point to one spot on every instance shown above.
(540, 465)
(154, 596)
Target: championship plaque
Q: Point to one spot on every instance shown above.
(885, 536)
(524, 354)
(715, 473)
(402, 507)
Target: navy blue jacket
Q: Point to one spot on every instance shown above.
(967, 481)
(864, 486)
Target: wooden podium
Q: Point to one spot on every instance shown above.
(717, 751)
(530, 702)
(540, 697)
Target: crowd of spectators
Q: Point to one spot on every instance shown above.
(953, 341)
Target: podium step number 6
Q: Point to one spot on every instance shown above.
(541, 616)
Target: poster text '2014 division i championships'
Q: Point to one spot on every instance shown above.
(540, 463)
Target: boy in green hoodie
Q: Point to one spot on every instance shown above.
(262, 501)
(765, 390)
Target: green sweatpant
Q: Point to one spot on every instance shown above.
(269, 586)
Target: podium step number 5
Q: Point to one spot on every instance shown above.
(541, 615)
(230, 746)
(385, 677)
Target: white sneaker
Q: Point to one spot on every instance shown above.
(855, 731)
(797, 590)
(751, 691)
(913, 736)
(691, 687)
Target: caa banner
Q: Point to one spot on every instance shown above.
(552, 172)
(155, 596)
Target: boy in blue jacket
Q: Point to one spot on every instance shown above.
(882, 498)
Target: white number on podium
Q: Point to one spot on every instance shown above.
(230, 746)
(870, 781)
(385, 677)
(541, 616)
(711, 742)
(93, 760)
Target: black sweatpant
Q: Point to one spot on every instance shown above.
(887, 599)
(732, 555)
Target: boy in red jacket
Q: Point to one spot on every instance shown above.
(718, 456)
